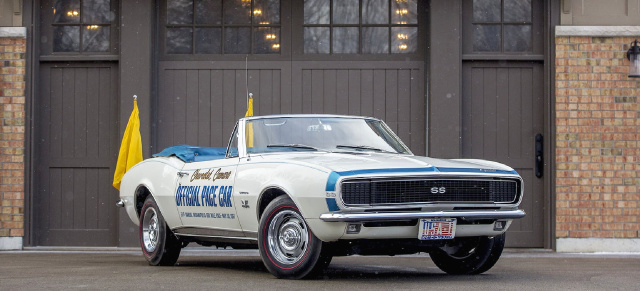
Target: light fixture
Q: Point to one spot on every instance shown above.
(402, 11)
(270, 36)
(403, 46)
(633, 55)
(257, 12)
(92, 26)
(402, 36)
(276, 46)
(73, 13)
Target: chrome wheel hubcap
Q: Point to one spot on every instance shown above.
(150, 230)
(287, 237)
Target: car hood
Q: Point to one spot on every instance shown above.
(359, 163)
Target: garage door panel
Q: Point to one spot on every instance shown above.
(500, 112)
(393, 93)
(200, 105)
(366, 91)
(76, 133)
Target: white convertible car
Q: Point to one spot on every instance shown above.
(305, 188)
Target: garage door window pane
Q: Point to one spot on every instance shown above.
(95, 38)
(180, 11)
(486, 38)
(266, 12)
(208, 11)
(375, 40)
(375, 11)
(179, 40)
(237, 40)
(66, 39)
(517, 10)
(66, 11)
(266, 40)
(345, 40)
(97, 11)
(517, 38)
(404, 12)
(316, 40)
(237, 12)
(486, 10)
(404, 40)
(208, 40)
(316, 11)
(345, 12)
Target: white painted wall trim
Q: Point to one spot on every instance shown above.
(597, 245)
(10, 243)
(13, 32)
(598, 31)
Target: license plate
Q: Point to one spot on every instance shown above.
(437, 228)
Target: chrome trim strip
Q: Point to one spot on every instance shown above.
(251, 234)
(221, 238)
(390, 216)
(209, 232)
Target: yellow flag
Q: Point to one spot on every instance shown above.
(131, 147)
(249, 126)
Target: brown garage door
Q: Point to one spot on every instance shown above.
(502, 113)
(301, 56)
(503, 99)
(76, 134)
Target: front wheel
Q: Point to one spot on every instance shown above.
(288, 248)
(469, 255)
(159, 245)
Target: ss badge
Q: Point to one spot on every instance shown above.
(440, 190)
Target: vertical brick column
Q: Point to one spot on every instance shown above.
(12, 135)
(597, 140)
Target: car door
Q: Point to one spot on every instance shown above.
(204, 198)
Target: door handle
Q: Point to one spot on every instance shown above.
(539, 156)
(182, 174)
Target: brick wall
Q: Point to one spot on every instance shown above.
(597, 139)
(12, 117)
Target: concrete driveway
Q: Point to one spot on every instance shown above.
(201, 269)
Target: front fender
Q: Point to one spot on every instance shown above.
(304, 184)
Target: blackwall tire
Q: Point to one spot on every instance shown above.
(469, 256)
(159, 245)
(288, 248)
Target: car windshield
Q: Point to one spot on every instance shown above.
(332, 134)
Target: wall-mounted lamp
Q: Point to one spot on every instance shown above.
(633, 55)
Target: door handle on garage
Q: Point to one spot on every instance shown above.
(539, 156)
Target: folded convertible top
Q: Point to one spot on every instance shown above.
(189, 154)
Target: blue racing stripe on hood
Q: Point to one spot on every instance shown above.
(388, 171)
(334, 176)
(476, 170)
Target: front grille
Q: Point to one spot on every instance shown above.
(373, 192)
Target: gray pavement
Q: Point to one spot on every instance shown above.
(209, 269)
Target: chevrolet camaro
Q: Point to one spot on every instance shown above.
(305, 188)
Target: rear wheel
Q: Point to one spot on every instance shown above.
(288, 248)
(469, 255)
(159, 245)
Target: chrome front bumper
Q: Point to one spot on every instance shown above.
(391, 216)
